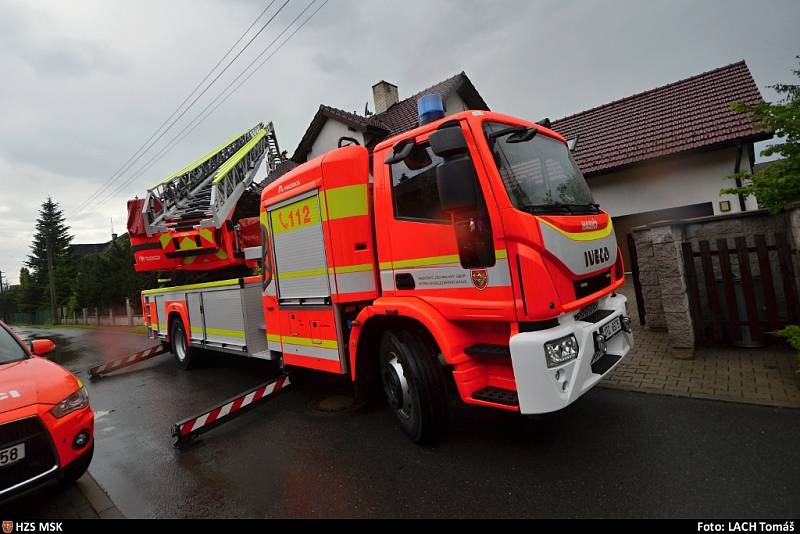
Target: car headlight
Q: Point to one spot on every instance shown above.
(76, 401)
(561, 350)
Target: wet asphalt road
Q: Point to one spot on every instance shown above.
(612, 454)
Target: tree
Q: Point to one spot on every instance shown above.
(30, 293)
(51, 230)
(777, 186)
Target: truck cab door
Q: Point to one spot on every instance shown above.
(457, 264)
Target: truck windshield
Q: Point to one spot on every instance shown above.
(10, 351)
(538, 171)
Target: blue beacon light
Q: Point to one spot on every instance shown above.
(429, 108)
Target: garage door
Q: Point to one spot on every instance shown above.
(624, 224)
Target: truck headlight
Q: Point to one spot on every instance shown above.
(561, 350)
(76, 401)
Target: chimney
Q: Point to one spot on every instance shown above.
(384, 94)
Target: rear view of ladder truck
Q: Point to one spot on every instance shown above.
(186, 221)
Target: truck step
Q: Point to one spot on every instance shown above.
(491, 351)
(497, 395)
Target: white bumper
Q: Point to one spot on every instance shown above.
(541, 389)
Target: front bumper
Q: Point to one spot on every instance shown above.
(49, 446)
(541, 389)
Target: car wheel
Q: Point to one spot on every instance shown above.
(179, 345)
(413, 385)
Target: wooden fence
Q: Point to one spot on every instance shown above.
(739, 293)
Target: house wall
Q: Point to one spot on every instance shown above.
(670, 182)
(454, 104)
(329, 136)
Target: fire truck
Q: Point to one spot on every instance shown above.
(463, 258)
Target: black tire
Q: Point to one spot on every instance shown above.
(413, 385)
(78, 467)
(185, 355)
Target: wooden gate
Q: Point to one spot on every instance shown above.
(738, 293)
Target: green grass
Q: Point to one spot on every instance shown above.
(47, 326)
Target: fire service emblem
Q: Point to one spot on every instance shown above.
(480, 278)
(8, 527)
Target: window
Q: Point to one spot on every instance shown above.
(10, 351)
(414, 186)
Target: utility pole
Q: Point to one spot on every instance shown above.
(51, 276)
(2, 287)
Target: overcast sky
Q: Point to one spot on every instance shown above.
(86, 82)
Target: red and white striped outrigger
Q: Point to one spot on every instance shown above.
(126, 361)
(185, 431)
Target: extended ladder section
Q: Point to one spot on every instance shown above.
(205, 192)
(184, 221)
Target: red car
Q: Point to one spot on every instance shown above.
(46, 423)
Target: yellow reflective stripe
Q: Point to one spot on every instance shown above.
(164, 239)
(275, 338)
(218, 283)
(499, 254)
(302, 274)
(582, 236)
(206, 234)
(162, 326)
(422, 262)
(240, 154)
(350, 269)
(187, 243)
(218, 331)
(347, 201)
(199, 161)
(308, 342)
(323, 207)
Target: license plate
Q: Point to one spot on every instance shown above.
(12, 455)
(611, 328)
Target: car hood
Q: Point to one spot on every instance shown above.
(34, 381)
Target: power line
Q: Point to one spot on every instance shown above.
(130, 162)
(150, 141)
(199, 118)
(175, 140)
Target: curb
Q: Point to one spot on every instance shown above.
(700, 396)
(98, 498)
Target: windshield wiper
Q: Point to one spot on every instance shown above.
(568, 208)
(547, 208)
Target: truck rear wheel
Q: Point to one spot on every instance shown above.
(413, 385)
(179, 345)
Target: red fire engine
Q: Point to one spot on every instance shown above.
(470, 257)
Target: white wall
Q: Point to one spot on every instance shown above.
(454, 104)
(328, 138)
(669, 183)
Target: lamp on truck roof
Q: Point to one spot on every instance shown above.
(429, 108)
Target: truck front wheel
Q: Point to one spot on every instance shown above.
(413, 385)
(179, 344)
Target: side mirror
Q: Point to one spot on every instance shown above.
(400, 151)
(457, 182)
(448, 142)
(40, 347)
(456, 178)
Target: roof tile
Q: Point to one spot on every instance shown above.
(680, 116)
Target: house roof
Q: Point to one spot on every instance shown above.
(399, 118)
(684, 115)
(402, 116)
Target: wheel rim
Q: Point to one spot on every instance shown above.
(180, 343)
(395, 386)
